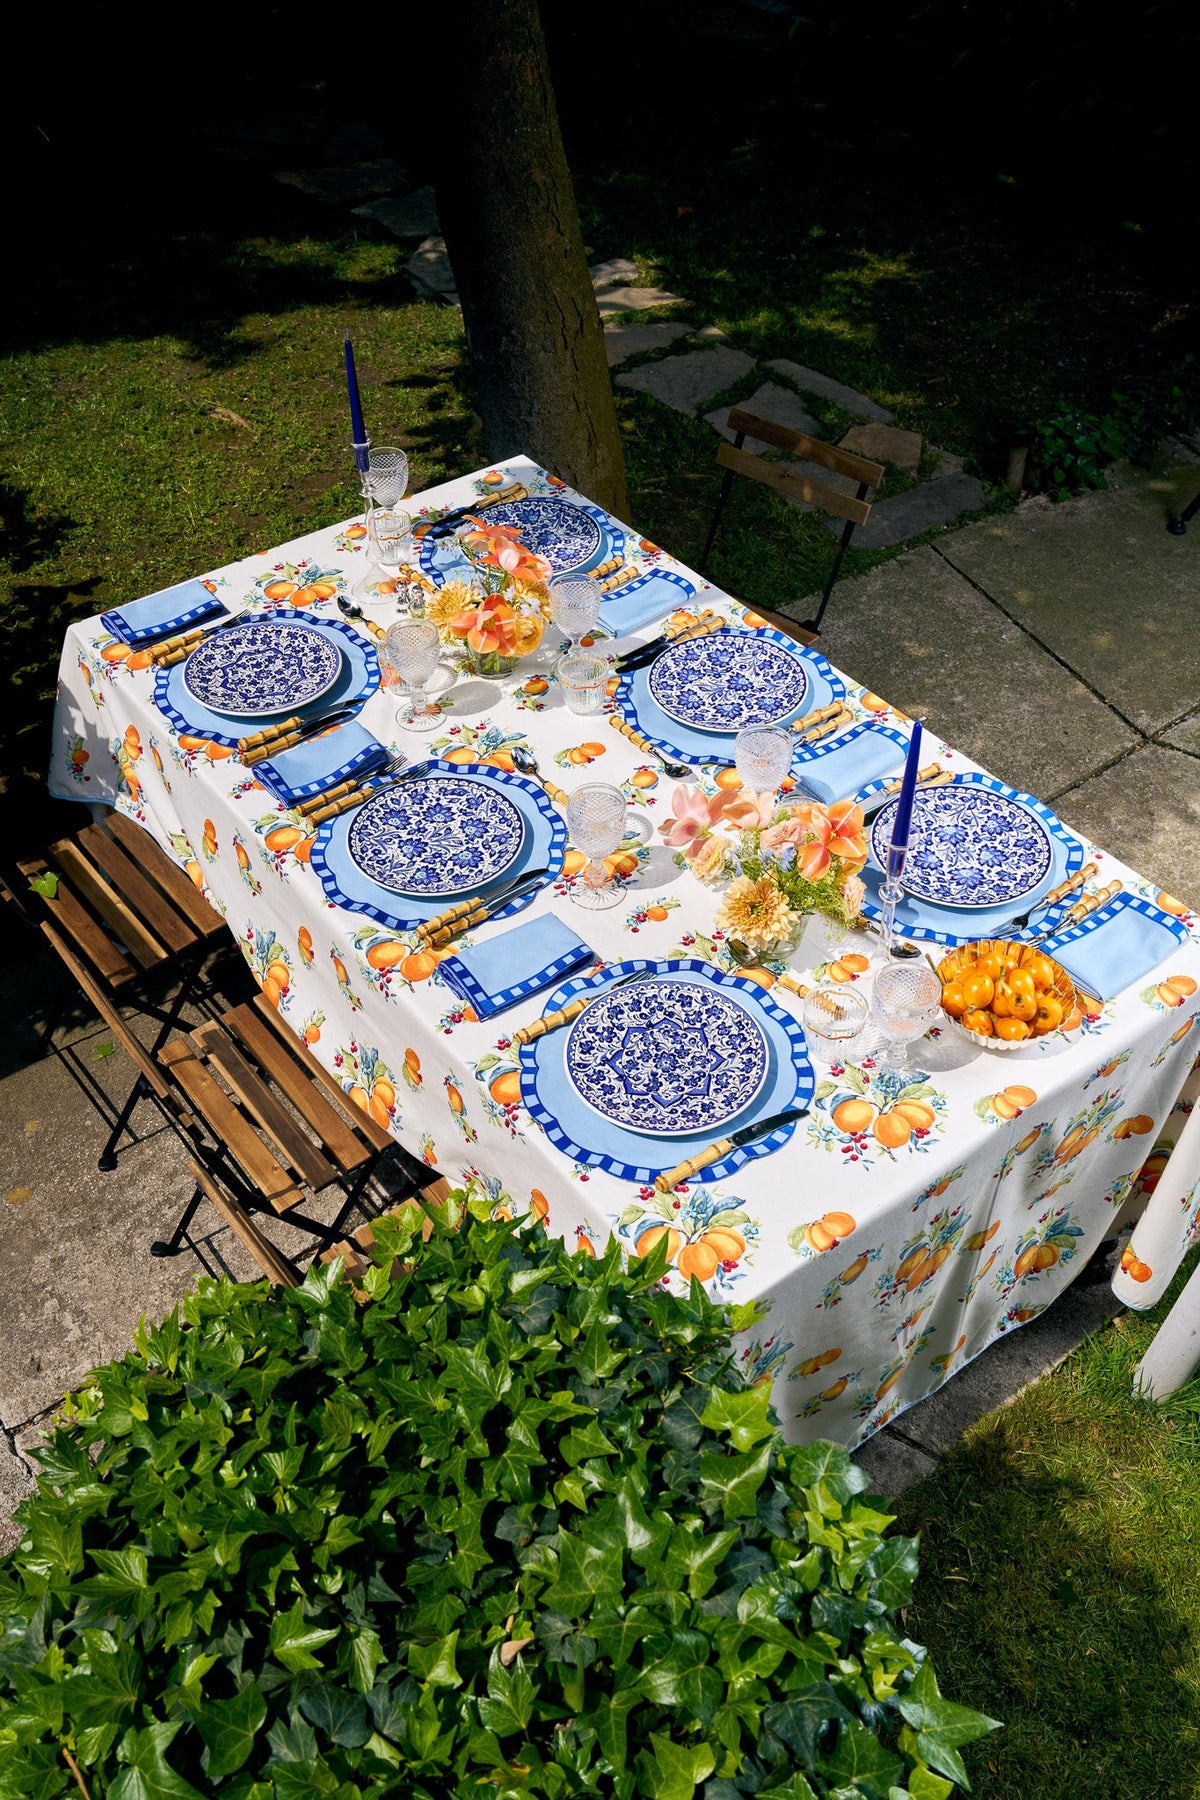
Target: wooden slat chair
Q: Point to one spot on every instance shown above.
(855, 509)
(131, 929)
(246, 1078)
(277, 1268)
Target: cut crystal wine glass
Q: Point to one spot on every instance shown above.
(763, 756)
(904, 1005)
(596, 821)
(413, 646)
(574, 606)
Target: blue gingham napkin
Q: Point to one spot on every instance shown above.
(518, 963)
(643, 602)
(163, 614)
(851, 760)
(1116, 945)
(321, 762)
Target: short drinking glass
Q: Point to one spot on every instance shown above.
(413, 646)
(583, 679)
(763, 754)
(904, 1005)
(596, 821)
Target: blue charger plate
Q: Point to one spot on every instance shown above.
(634, 700)
(544, 847)
(549, 1095)
(957, 925)
(359, 679)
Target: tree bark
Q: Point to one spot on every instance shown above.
(507, 209)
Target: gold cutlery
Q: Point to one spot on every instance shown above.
(622, 725)
(1055, 895)
(1081, 910)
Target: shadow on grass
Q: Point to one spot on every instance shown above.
(1042, 1605)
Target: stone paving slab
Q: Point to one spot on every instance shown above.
(404, 215)
(931, 503)
(618, 271)
(892, 1464)
(686, 381)
(811, 381)
(915, 631)
(779, 404)
(1102, 582)
(428, 268)
(886, 444)
(623, 341)
(635, 299)
(347, 181)
(16, 1481)
(1147, 808)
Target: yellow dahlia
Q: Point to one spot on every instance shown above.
(445, 603)
(755, 911)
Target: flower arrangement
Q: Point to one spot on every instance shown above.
(781, 861)
(499, 615)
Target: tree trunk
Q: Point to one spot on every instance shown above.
(507, 210)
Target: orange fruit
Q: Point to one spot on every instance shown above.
(872, 703)
(280, 974)
(584, 1246)
(193, 869)
(1017, 992)
(623, 862)
(644, 778)
(304, 943)
(818, 1238)
(537, 684)
(282, 838)
(573, 861)
(1011, 1031)
(839, 1387)
(272, 990)
(912, 1261)
(378, 1111)
(539, 1206)
(763, 977)
(979, 1022)
(243, 859)
(114, 653)
(1141, 1124)
(700, 1260)
(1048, 1016)
(919, 1116)
(855, 1270)
(505, 1089)
(1020, 1096)
(593, 748)
(991, 963)
(387, 954)
(1140, 1271)
(383, 1091)
(839, 972)
(419, 966)
(649, 1238)
(1170, 904)
(892, 1130)
(305, 596)
(1047, 1256)
(1168, 996)
(954, 1000)
(853, 1115)
(1042, 970)
(141, 659)
(1183, 985)
(311, 1033)
(324, 590)
(657, 913)
(1002, 1107)
(729, 1245)
(500, 759)
(218, 752)
(279, 590)
(358, 1095)
(728, 780)
(339, 969)
(454, 1097)
(977, 990)
(841, 1224)
(460, 754)
(1027, 1262)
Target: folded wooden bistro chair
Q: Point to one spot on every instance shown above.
(276, 1126)
(855, 508)
(133, 932)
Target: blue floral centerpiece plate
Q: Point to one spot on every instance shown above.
(728, 680)
(267, 666)
(570, 534)
(436, 836)
(665, 1058)
(968, 848)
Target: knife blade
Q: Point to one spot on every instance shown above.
(750, 1134)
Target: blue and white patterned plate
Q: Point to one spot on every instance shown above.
(263, 667)
(585, 1136)
(436, 837)
(570, 534)
(728, 680)
(968, 848)
(666, 1057)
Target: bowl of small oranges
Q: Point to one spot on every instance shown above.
(1004, 994)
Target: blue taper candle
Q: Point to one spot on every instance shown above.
(902, 824)
(358, 431)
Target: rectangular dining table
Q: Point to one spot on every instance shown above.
(888, 1237)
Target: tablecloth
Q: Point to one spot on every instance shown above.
(903, 1227)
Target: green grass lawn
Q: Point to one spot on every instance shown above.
(1060, 1543)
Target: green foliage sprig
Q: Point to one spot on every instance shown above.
(515, 1527)
(1071, 450)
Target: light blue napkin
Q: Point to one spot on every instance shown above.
(644, 601)
(161, 615)
(1117, 945)
(518, 963)
(320, 763)
(834, 771)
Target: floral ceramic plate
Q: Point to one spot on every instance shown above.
(436, 837)
(268, 666)
(727, 680)
(968, 847)
(665, 1058)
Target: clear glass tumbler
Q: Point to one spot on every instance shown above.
(763, 755)
(904, 1004)
(833, 1016)
(583, 679)
(596, 821)
(414, 647)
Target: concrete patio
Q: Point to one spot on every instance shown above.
(1053, 645)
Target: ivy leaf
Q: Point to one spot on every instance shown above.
(941, 1725)
(800, 1720)
(578, 1446)
(891, 1570)
(435, 1663)
(828, 1464)
(923, 1784)
(148, 1775)
(508, 1707)
(341, 1716)
(293, 1639)
(586, 1573)
(737, 1479)
(228, 1728)
(743, 1416)
(366, 1654)
(859, 1758)
(675, 1770)
(46, 885)
(681, 1674)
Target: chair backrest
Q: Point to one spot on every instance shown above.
(784, 481)
(273, 1263)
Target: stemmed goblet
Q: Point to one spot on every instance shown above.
(385, 478)
(763, 756)
(596, 820)
(413, 645)
(904, 1005)
(574, 606)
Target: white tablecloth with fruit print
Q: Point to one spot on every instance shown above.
(897, 1233)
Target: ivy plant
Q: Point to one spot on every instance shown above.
(514, 1525)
